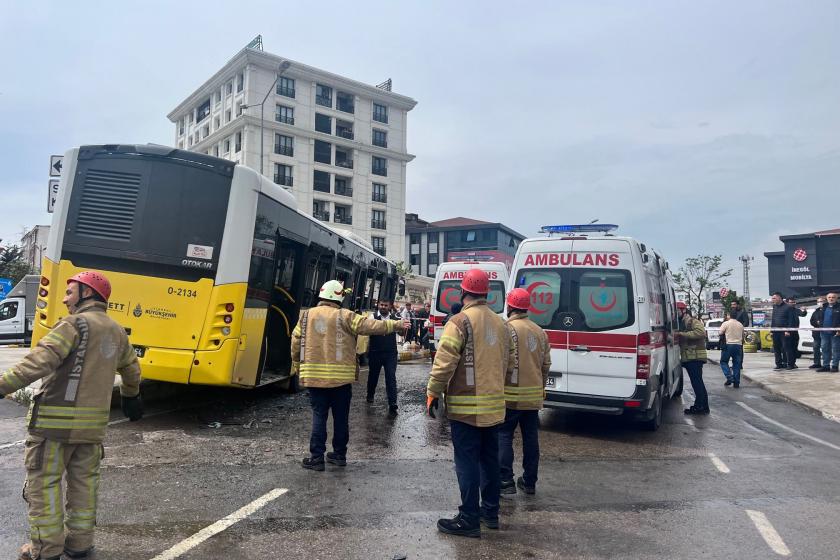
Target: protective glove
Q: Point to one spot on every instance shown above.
(431, 405)
(132, 408)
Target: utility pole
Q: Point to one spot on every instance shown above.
(746, 260)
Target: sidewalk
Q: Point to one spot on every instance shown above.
(818, 392)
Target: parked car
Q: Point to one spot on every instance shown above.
(713, 334)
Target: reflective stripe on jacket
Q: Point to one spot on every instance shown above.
(525, 383)
(77, 361)
(474, 354)
(324, 344)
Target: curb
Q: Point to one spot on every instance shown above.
(789, 399)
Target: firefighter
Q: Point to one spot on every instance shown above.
(76, 360)
(473, 357)
(692, 339)
(324, 355)
(524, 394)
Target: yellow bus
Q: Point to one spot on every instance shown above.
(209, 261)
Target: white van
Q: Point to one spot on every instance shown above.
(447, 288)
(608, 306)
(17, 311)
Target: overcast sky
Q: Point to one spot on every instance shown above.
(699, 127)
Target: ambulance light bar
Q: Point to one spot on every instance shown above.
(579, 228)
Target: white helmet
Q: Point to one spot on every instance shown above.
(333, 290)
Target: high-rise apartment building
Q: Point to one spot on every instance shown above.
(338, 145)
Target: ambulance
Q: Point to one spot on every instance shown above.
(447, 289)
(608, 306)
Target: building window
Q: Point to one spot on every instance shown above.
(227, 146)
(342, 186)
(432, 259)
(321, 181)
(286, 87)
(414, 260)
(343, 215)
(284, 145)
(344, 102)
(238, 109)
(344, 158)
(380, 113)
(285, 114)
(378, 219)
(237, 143)
(227, 116)
(229, 88)
(378, 245)
(344, 129)
(380, 138)
(414, 239)
(469, 236)
(216, 150)
(240, 82)
(379, 166)
(323, 151)
(320, 210)
(181, 127)
(323, 95)
(379, 193)
(203, 111)
(283, 174)
(323, 123)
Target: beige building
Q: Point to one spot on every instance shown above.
(34, 244)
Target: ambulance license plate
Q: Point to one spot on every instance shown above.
(140, 351)
(550, 382)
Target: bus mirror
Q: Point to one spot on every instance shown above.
(401, 288)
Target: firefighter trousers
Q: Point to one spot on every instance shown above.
(55, 525)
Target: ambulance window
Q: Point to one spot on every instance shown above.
(604, 298)
(449, 293)
(545, 288)
(496, 297)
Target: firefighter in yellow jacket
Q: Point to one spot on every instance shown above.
(324, 355)
(474, 354)
(524, 393)
(77, 361)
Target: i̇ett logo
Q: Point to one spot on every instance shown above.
(800, 255)
(138, 311)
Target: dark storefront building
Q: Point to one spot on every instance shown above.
(809, 265)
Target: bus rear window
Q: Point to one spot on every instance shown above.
(579, 299)
(449, 293)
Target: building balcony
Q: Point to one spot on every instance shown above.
(284, 150)
(383, 198)
(345, 163)
(321, 215)
(284, 119)
(344, 132)
(342, 219)
(380, 143)
(323, 100)
(321, 187)
(377, 224)
(343, 191)
(285, 180)
(383, 171)
(286, 91)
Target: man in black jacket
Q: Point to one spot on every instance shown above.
(816, 322)
(784, 316)
(382, 353)
(739, 314)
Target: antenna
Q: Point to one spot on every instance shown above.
(745, 260)
(256, 44)
(386, 85)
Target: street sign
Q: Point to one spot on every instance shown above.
(52, 195)
(56, 163)
(5, 287)
(723, 292)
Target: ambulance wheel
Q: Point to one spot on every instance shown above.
(679, 390)
(654, 422)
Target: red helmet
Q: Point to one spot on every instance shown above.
(519, 298)
(94, 281)
(681, 305)
(476, 282)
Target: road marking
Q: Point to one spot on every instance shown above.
(779, 424)
(219, 526)
(768, 533)
(719, 465)
(690, 422)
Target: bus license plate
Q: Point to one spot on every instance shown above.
(550, 382)
(140, 351)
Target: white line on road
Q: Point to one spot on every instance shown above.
(719, 465)
(221, 525)
(768, 533)
(779, 424)
(690, 422)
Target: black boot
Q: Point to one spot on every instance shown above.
(508, 487)
(728, 382)
(335, 459)
(528, 489)
(392, 410)
(74, 554)
(490, 522)
(314, 463)
(458, 526)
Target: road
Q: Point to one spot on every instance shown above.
(736, 484)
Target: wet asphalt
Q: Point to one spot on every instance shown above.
(606, 488)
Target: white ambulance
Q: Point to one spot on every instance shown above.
(608, 306)
(447, 288)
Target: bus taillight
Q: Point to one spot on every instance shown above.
(228, 319)
(45, 281)
(229, 308)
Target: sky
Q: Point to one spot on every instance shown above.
(699, 127)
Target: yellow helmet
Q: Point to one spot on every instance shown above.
(333, 290)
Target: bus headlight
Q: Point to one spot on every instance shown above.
(41, 304)
(226, 331)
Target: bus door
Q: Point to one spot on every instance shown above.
(318, 270)
(284, 305)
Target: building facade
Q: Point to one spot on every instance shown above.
(809, 265)
(456, 239)
(338, 145)
(34, 244)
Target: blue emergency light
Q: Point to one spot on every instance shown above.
(579, 228)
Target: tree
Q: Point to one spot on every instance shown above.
(402, 270)
(698, 275)
(12, 265)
